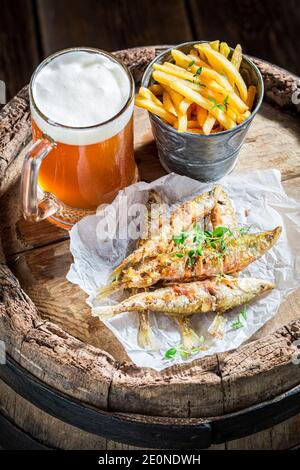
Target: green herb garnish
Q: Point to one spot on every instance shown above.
(225, 102)
(236, 325)
(191, 63)
(215, 239)
(223, 106)
(171, 353)
(241, 320)
(183, 352)
(180, 239)
(198, 72)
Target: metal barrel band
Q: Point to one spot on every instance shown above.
(131, 430)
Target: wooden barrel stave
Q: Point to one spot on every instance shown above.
(35, 429)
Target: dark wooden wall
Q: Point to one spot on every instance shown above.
(33, 29)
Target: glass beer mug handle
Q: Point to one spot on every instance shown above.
(36, 204)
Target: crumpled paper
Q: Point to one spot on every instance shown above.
(259, 199)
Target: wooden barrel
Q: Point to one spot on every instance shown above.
(67, 382)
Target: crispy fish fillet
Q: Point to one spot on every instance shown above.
(183, 217)
(153, 207)
(212, 295)
(240, 252)
(145, 336)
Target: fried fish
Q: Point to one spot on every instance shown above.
(180, 266)
(183, 217)
(180, 300)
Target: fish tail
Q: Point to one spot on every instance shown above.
(116, 272)
(106, 312)
(105, 291)
(145, 336)
(216, 192)
(276, 233)
(189, 337)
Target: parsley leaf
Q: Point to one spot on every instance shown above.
(241, 320)
(236, 325)
(221, 106)
(171, 353)
(184, 352)
(180, 239)
(219, 231)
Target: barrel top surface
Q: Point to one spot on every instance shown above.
(46, 323)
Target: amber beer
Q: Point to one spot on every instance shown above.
(82, 125)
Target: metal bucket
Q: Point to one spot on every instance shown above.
(199, 156)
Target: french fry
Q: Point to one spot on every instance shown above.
(224, 100)
(155, 109)
(233, 99)
(146, 93)
(181, 87)
(175, 70)
(195, 130)
(184, 105)
(224, 49)
(175, 97)
(198, 61)
(232, 114)
(215, 45)
(194, 76)
(182, 122)
(168, 103)
(156, 89)
(193, 124)
(236, 58)
(203, 92)
(242, 117)
(194, 53)
(209, 124)
(251, 96)
(221, 64)
(184, 60)
(201, 115)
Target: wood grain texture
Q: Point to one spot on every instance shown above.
(52, 432)
(14, 135)
(111, 24)
(267, 29)
(18, 46)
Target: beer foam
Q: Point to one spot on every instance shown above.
(81, 88)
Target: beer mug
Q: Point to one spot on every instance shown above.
(81, 102)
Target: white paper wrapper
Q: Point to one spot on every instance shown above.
(259, 195)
